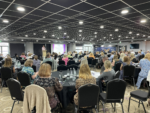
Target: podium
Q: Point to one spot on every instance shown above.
(44, 53)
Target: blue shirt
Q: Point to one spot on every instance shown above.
(142, 53)
(111, 58)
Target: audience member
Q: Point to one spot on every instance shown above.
(115, 60)
(48, 58)
(65, 58)
(138, 55)
(50, 84)
(132, 58)
(145, 68)
(104, 58)
(36, 62)
(142, 52)
(91, 56)
(28, 69)
(29, 56)
(84, 61)
(112, 56)
(23, 56)
(122, 55)
(85, 77)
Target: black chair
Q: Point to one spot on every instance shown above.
(141, 57)
(76, 55)
(62, 68)
(94, 61)
(34, 68)
(70, 62)
(117, 74)
(90, 61)
(117, 66)
(3, 62)
(20, 58)
(139, 95)
(1, 58)
(115, 93)
(88, 95)
(6, 73)
(24, 79)
(70, 58)
(49, 62)
(128, 72)
(15, 91)
(73, 66)
(108, 55)
(61, 62)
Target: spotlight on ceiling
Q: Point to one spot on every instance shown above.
(112, 38)
(144, 40)
(95, 33)
(45, 31)
(21, 40)
(59, 27)
(126, 37)
(57, 38)
(79, 34)
(49, 41)
(81, 22)
(101, 26)
(43, 36)
(130, 32)
(67, 36)
(5, 21)
(53, 35)
(138, 34)
(26, 35)
(119, 36)
(21, 9)
(65, 33)
(124, 12)
(143, 21)
(143, 35)
(80, 30)
(116, 29)
(110, 34)
(34, 33)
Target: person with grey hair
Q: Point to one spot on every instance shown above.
(84, 60)
(104, 58)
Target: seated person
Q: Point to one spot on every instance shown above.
(84, 60)
(138, 55)
(50, 84)
(28, 69)
(49, 58)
(122, 55)
(8, 63)
(23, 56)
(115, 60)
(29, 56)
(111, 57)
(91, 56)
(132, 58)
(36, 62)
(125, 62)
(69, 55)
(85, 77)
(65, 58)
(104, 58)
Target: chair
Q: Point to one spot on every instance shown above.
(6, 73)
(115, 93)
(15, 91)
(88, 95)
(24, 78)
(1, 58)
(3, 62)
(94, 61)
(62, 68)
(70, 62)
(117, 66)
(128, 72)
(76, 55)
(89, 60)
(141, 57)
(73, 66)
(34, 68)
(61, 62)
(117, 74)
(70, 58)
(139, 95)
(49, 62)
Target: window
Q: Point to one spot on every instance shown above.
(4, 48)
(79, 49)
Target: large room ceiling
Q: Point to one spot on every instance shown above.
(91, 21)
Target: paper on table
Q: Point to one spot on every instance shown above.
(95, 74)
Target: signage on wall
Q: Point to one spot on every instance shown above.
(0, 41)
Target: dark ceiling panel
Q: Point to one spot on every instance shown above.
(108, 15)
(100, 2)
(3, 5)
(33, 17)
(135, 2)
(68, 12)
(96, 12)
(143, 6)
(57, 17)
(41, 13)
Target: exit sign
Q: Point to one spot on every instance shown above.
(0, 41)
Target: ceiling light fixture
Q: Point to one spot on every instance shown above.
(79, 34)
(43, 36)
(101, 26)
(49, 41)
(130, 32)
(138, 34)
(143, 35)
(59, 27)
(21, 40)
(143, 21)
(65, 33)
(67, 36)
(34, 33)
(80, 30)
(53, 35)
(110, 34)
(124, 12)
(145, 40)
(112, 38)
(116, 29)
(119, 36)
(26, 35)
(95, 33)
(5, 21)
(81, 22)
(57, 38)
(45, 31)
(21, 9)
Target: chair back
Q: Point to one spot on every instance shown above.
(115, 90)
(34, 68)
(94, 61)
(3, 62)
(129, 70)
(1, 58)
(117, 74)
(117, 66)
(62, 68)
(70, 62)
(15, 89)
(6, 73)
(89, 60)
(73, 66)
(61, 62)
(141, 57)
(49, 62)
(88, 95)
(76, 55)
(24, 78)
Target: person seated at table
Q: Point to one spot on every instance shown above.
(8, 63)
(65, 58)
(48, 58)
(122, 55)
(50, 84)
(8, 56)
(138, 55)
(132, 58)
(126, 61)
(28, 69)
(85, 77)
(145, 68)
(91, 56)
(23, 56)
(29, 56)
(104, 58)
(36, 62)
(112, 56)
(115, 60)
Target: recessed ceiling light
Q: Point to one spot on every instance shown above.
(110, 34)
(101, 26)
(59, 27)
(49, 41)
(104, 37)
(80, 30)
(5, 21)
(21, 40)
(130, 32)
(109, 42)
(79, 34)
(57, 38)
(43, 36)
(65, 33)
(34, 33)
(132, 37)
(53, 35)
(95, 33)
(20, 9)
(145, 40)
(36, 40)
(67, 36)
(26, 35)
(118, 39)
(116, 29)
(124, 12)
(95, 36)
(119, 36)
(126, 37)
(112, 38)
(143, 21)
(143, 35)
(80, 22)
(45, 31)
(137, 34)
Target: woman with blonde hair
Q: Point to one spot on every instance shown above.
(50, 84)
(115, 59)
(132, 58)
(145, 68)
(65, 58)
(122, 55)
(85, 77)
(91, 55)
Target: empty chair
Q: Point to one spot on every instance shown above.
(49, 62)
(139, 95)
(15, 91)
(117, 74)
(115, 93)
(61, 62)
(117, 66)
(70, 62)
(62, 68)
(73, 66)
(6, 73)
(34, 68)
(24, 79)
(88, 97)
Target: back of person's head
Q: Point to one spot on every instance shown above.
(139, 52)
(28, 63)
(147, 56)
(112, 52)
(65, 56)
(84, 61)
(55, 56)
(48, 55)
(91, 54)
(23, 54)
(8, 62)
(102, 53)
(105, 57)
(115, 57)
(8, 56)
(132, 56)
(45, 70)
(36, 57)
(85, 72)
(107, 64)
(126, 59)
(122, 55)
(29, 54)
